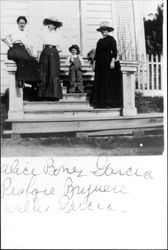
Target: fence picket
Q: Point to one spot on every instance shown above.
(152, 71)
(161, 85)
(147, 66)
(157, 72)
(149, 75)
(139, 74)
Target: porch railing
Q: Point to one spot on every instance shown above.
(149, 75)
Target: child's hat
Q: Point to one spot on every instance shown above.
(74, 46)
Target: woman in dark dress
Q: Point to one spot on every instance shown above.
(20, 50)
(50, 87)
(107, 89)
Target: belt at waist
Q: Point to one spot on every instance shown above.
(49, 46)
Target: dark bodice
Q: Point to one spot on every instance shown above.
(106, 50)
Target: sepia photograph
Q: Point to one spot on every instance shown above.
(83, 124)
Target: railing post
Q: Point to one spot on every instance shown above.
(128, 74)
(15, 94)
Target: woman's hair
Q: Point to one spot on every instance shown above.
(55, 27)
(20, 18)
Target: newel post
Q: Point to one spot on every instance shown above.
(128, 74)
(15, 94)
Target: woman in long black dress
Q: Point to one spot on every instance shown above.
(50, 87)
(107, 89)
(20, 51)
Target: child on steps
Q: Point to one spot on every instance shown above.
(74, 61)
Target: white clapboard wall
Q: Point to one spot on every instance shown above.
(65, 11)
(125, 26)
(93, 12)
(124, 15)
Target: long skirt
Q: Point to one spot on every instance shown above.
(28, 69)
(107, 88)
(50, 73)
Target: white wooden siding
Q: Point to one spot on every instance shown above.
(139, 24)
(124, 26)
(66, 11)
(93, 12)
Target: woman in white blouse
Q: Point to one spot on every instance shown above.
(20, 51)
(50, 87)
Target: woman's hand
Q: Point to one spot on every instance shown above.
(30, 50)
(112, 65)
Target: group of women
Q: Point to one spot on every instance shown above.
(45, 72)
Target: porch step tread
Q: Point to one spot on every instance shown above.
(76, 109)
(84, 67)
(150, 118)
(75, 114)
(85, 71)
(67, 97)
(34, 102)
(87, 77)
(75, 94)
(61, 102)
(78, 126)
(121, 131)
(64, 103)
(69, 114)
(82, 123)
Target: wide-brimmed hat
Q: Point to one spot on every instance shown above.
(74, 46)
(105, 26)
(52, 20)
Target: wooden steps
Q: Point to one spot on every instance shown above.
(62, 104)
(74, 97)
(69, 97)
(87, 124)
(73, 114)
(73, 105)
(138, 130)
(87, 72)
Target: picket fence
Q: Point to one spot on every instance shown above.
(149, 75)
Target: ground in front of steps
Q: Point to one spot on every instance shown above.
(118, 146)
